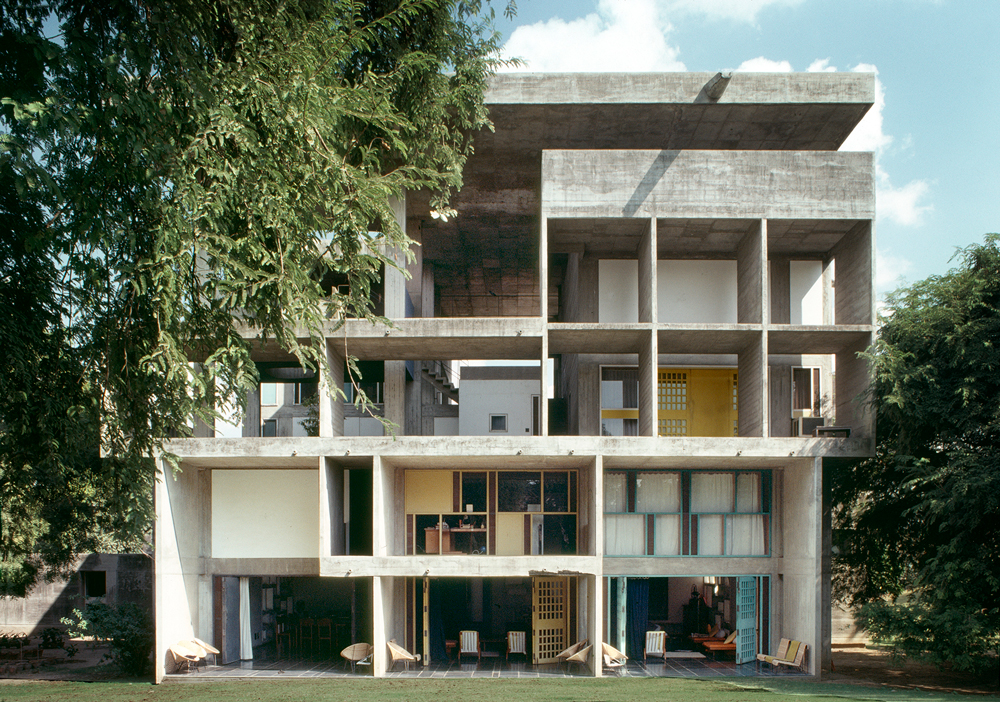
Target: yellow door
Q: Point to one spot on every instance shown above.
(548, 618)
(697, 402)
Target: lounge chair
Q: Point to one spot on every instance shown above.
(580, 657)
(358, 654)
(656, 644)
(564, 655)
(719, 645)
(184, 655)
(397, 653)
(613, 658)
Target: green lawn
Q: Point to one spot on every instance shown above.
(533, 690)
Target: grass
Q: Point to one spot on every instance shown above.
(502, 690)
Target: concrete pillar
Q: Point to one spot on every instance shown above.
(381, 508)
(251, 419)
(753, 391)
(622, 614)
(379, 654)
(646, 254)
(648, 376)
(394, 395)
(595, 597)
(855, 257)
(779, 291)
(331, 404)
(751, 275)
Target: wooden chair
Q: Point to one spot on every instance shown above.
(397, 653)
(469, 645)
(324, 632)
(790, 653)
(307, 635)
(284, 637)
(656, 644)
(613, 658)
(517, 643)
(358, 654)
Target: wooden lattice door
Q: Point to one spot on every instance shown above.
(548, 618)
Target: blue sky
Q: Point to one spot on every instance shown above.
(935, 128)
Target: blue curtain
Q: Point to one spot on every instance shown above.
(637, 616)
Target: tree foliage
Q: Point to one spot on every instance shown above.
(176, 177)
(921, 520)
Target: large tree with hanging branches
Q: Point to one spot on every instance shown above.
(176, 177)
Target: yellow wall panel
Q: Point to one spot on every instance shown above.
(428, 491)
(510, 534)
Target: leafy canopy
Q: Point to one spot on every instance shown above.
(921, 520)
(175, 178)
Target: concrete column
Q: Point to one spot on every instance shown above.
(829, 294)
(595, 592)
(394, 395)
(852, 379)
(753, 390)
(751, 275)
(426, 622)
(646, 254)
(779, 291)
(331, 404)
(381, 508)
(427, 290)
(855, 260)
(251, 419)
(648, 357)
(546, 380)
(378, 628)
(543, 268)
(622, 614)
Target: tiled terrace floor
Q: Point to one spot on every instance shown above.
(487, 668)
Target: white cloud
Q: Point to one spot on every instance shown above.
(739, 10)
(821, 66)
(890, 271)
(907, 204)
(623, 35)
(764, 65)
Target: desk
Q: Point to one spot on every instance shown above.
(450, 541)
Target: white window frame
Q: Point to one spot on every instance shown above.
(498, 416)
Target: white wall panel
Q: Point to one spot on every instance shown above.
(265, 514)
(805, 292)
(698, 292)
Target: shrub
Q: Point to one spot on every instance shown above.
(126, 628)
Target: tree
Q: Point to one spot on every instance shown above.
(921, 519)
(176, 177)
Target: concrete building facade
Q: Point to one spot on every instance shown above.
(688, 262)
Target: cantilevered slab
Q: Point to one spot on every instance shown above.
(598, 338)
(444, 339)
(706, 338)
(799, 339)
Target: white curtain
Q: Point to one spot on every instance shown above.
(615, 493)
(711, 493)
(658, 492)
(667, 537)
(745, 534)
(246, 633)
(748, 492)
(624, 535)
(745, 531)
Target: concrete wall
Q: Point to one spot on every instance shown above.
(265, 514)
(800, 567)
(128, 579)
(688, 291)
(708, 184)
